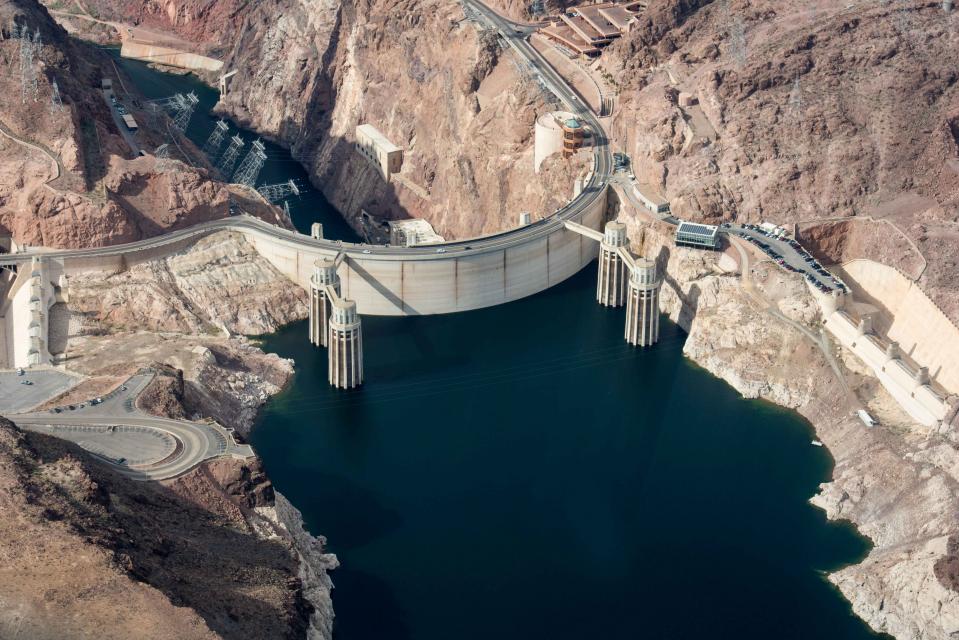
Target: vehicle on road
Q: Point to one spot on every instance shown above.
(26, 382)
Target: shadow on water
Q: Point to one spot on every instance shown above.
(311, 206)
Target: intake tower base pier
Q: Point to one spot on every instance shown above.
(611, 280)
(642, 304)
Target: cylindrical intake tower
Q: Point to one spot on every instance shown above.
(611, 279)
(324, 275)
(642, 305)
(345, 345)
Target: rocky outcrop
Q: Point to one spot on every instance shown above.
(819, 112)
(219, 284)
(897, 483)
(68, 177)
(309, 71)
(67, 558)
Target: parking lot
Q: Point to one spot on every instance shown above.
(788, 254)
(20, 393)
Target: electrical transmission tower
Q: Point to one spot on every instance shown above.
(184, 110)
(277, 192)
(249, 169)
(28, 73)
(230, 156)
(212, 146)
(795, 96)
(56, 103)
(163, 160)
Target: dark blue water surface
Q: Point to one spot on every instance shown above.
(520, 473)
(310, 206)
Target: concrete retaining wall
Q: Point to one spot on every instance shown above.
(17, 319)
(912, 319)
(169, 56)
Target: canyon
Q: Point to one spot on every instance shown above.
(840, 122)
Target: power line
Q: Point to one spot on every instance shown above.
(250, 168)
(230, 156)
(212, 146)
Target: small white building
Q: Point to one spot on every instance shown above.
(651, 198)
(697, 235)
(378, 150)
(412, 233)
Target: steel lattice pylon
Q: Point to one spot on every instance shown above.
(185, 107)
(250, 168)
(212, 146)
(28, 73)
(277, 192)
(230, 156)
(56, 103)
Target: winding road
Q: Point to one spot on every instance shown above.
(137, 445)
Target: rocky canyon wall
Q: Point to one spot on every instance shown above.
(68, 177)
(807, 112)
(309, 72)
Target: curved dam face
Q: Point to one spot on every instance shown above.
(169, 56)
(381, 280)
(458, 280)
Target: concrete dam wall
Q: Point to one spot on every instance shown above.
(443, 283)
(395, 282)
(169, 56)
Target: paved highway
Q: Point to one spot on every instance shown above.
(135, 444)
(515, 36)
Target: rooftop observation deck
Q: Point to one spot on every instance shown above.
(568, 38)
(584, 30)
(617, 15)
(593, 14)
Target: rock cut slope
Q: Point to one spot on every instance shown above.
(68, 178)
(821, 111)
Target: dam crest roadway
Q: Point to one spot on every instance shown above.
(434, 279)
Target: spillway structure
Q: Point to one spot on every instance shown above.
(335, 324)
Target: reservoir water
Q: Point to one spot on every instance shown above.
(520, 473)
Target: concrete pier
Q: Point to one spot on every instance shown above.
(642, 304)
(324, 275)
(612, 276)
(345, 345)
